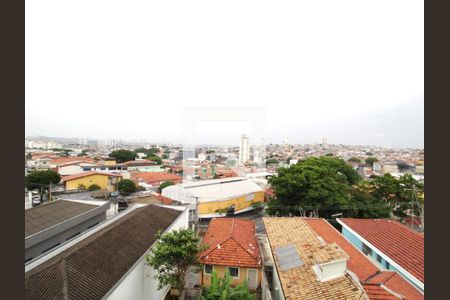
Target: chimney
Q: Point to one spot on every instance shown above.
(330, 270)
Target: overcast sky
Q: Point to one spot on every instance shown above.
(348, 71)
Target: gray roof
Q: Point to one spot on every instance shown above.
(89, 269)
(47, 215)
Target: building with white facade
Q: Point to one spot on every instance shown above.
(244, 149)
(108, 261)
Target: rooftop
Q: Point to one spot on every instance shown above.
(155, 176)
(90, 268)
(301, 282)
(63, 160)
(50, 214)
(217, 189)
(232, 242)
(374, 280)
(89, 173)
(392, 238)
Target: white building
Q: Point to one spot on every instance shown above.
(108, 261)
(201, 156)
(244, 149)
(210, 195)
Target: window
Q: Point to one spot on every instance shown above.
(379, 259)
(208, 269)
(234, 272)
(366, 250)
(250, 197)
(387, 265)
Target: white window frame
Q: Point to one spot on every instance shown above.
(239, 272)
(204, 270)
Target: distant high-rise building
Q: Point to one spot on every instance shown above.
(324, 141)
(244, 149)
(286, 141)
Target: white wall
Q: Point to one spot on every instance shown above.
(70, 170)
(139, 283)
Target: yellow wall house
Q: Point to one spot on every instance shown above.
(106, 181)
(232, 246)
(215, 196)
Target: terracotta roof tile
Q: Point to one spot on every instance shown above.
(232, 242)
(156, 176)
(374, 280)
(302, 282)
(64, 160)
(392, 238)
(89, 173)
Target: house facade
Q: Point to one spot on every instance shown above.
(233, 247)
(106, 181)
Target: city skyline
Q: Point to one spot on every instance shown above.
(316, 74)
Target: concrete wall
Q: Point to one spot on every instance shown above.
(100, 180)
(139, 283)
(46, 244)
(239, 202)
(69, 170)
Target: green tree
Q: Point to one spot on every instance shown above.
(152, 151)
(397, 193)
(272, 161)
(126, 187)
(122, 155)
(164, 156)
(319, 185)
(403, 166)
(164, 185)
(354, 159)
(41, 180)
(366, 205)
(329, 154)
(173, 255)
(221, 289)
(370, 160)
(94, 187)
(155, 159)
(83, 153)
(141, 150)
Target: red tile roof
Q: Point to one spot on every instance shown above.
(376, 283)
(358, 263)
(393, 238)
(156, 176)
(379, 293)
(89, 173)
(232, 242)
(64, 160)
(139, 162)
